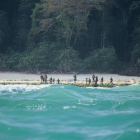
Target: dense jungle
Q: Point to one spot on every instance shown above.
(64, 36)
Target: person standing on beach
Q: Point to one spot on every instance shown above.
(89, 81)
(53, 80)
(75, 78)
(111, 80)
(102, 80)
(86, 80)
(58, 81)
(96, 80)
(50, 80)
(45, 78)
(93, 76)
(42, 78)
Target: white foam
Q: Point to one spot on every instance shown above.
(69, 107)
(36, 107)
(24, 88)
(138, 130)
(66, 107)
(98, 87)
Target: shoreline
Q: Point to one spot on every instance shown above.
(68, 82)
(34, 79)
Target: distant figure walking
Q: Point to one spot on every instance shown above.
(58, 81)
(75, 78)
(93, 77)
(111, 80)
(89, 81)
(102, 80)
(96, 80)
(42, 78)
(45, 78)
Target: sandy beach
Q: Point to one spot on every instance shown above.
(15, 77)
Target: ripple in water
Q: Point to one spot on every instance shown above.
(58, 112)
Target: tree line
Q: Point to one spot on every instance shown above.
(70, 35)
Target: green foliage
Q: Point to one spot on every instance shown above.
(13, 60)
(103, 59)
(68, 60)
(136, 55)
(2, 62)
(23, 25)
(33, 31)
(10, 61)
(45, 56)
(4, 31)
(60, 20)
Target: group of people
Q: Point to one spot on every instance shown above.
(44, 79)
(94, 79)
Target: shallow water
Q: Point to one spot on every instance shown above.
(58, 112)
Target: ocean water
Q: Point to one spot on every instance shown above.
(58, 112)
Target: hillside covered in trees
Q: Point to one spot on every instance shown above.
(70, 35)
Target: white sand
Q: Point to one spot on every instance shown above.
(35, 77)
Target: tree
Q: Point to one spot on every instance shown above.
(23, 24)
(68, 60)
(104, 59)
(136, 56)
(4, 32)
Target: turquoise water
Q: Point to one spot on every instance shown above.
(57, 112)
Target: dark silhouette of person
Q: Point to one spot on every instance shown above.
(93, 77)
(75, 78)
(42, 78)
(96, 80)
(102, 80)
(58, 81)
(89, 81)
(86, 80)
(45, 78)
(111, 80)
(53, 80)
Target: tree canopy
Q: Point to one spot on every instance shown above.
(69, 35)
